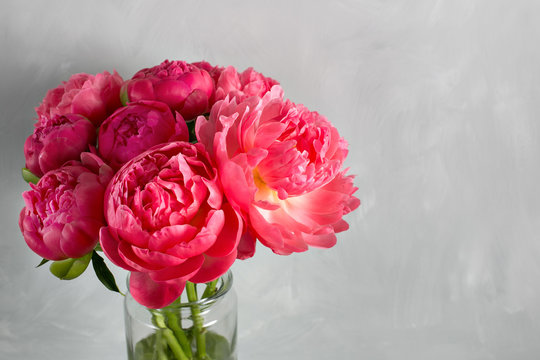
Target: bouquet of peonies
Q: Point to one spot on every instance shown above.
(176, 173)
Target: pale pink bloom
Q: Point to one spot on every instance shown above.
(137, 127)
(183, 87)
(64, 211)
(168, 222)
(281, 165)
(56, 140)
(94, 97)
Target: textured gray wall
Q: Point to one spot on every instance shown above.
(439, 101)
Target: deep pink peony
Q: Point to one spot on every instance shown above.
(242, 85)
(57, 140)
(64, 211)
(94, 97)
(168, 222)
(214, 71)
(185, 87)
(280, 164)
(137, 127)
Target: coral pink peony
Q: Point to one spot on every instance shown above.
(168, 222)
(280, 164)
(137, 127)
(94, 97)
(64, 211)
(57, 140)
(242, 85)
(184, 87)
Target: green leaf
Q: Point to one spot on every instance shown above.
(191, 131)
(44, 261)
(103, 273)
(152, 347)
(124, 98)
(217, 347)
(29, 177)
(69, 269)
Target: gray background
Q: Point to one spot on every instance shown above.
(439, 101)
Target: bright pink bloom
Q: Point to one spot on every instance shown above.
(242, 85)
(182, 86)
(214, 71)
(94, 97)
(137, 127)
(280, 164)
(57, 140)
(169, 222)
(64, 211)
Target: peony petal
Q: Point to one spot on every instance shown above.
(246, 246)
(154, 294)
(129, 228)
(184, 270)
(181, 132)
(80, 237)
(88, 103)
(274, 235)
(203, 240)
(146, 259)
(172, 93)
(109, 244)
(29, 228)
(140, 89)
(322, 240)
(213, 268)
(340, 226)
(52, 237)
(235, 185)
(170, 236)
(229, 237)
(195, 104)
(55, 153)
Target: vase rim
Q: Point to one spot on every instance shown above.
(222, 289)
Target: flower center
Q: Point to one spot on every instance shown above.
(264, 192)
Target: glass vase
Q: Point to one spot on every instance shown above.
(204, 329)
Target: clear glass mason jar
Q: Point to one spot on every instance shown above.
(198, 330)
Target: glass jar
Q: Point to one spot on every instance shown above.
(204, 329)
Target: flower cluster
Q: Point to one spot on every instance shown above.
(179, 171)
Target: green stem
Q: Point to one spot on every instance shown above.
(159, 321)
(210, 289)
(197, 321)
(160, 352)
(175, 326)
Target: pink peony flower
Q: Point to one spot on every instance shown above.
(57, 140)
(242, 85)
(168, 222)
(94, 97)
(182, 86)
(64, 211)
(137, 127)
(280, 164)
(214, 71)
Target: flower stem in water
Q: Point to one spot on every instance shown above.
(197, 321)
(168, 334)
